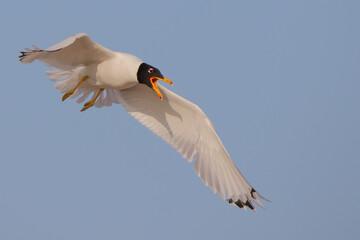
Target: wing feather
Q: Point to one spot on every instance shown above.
(72, 52)
(185, 127)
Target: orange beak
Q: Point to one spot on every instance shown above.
(153, 81)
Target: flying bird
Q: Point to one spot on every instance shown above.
(85, 67)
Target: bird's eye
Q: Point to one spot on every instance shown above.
(151, 70)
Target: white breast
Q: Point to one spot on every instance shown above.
(119, 72)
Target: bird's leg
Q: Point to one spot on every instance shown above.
(93, 100)
(69, 93)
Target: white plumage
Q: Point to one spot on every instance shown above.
(176, 120)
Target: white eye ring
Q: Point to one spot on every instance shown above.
(151, 70)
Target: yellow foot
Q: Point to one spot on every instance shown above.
(91, 103)
(71, 92)
(66, 95)
(87, 105)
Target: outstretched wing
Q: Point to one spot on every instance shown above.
(184, 126)
(74, 51)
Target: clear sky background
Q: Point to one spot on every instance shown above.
(280, 81)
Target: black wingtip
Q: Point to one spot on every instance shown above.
(23, 54)
(237, 203)
(257, 195)
(253, 194)
(241, 204)
(249, 204)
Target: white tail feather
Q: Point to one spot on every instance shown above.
(67, 80)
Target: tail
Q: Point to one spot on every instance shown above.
(67, 80)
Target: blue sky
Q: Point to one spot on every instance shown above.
(278, 79)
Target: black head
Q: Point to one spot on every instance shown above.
(145, 73)
(149, 75)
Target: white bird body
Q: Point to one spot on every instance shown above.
(87, 67)
(118, 72)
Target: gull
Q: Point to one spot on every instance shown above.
(85, 67)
